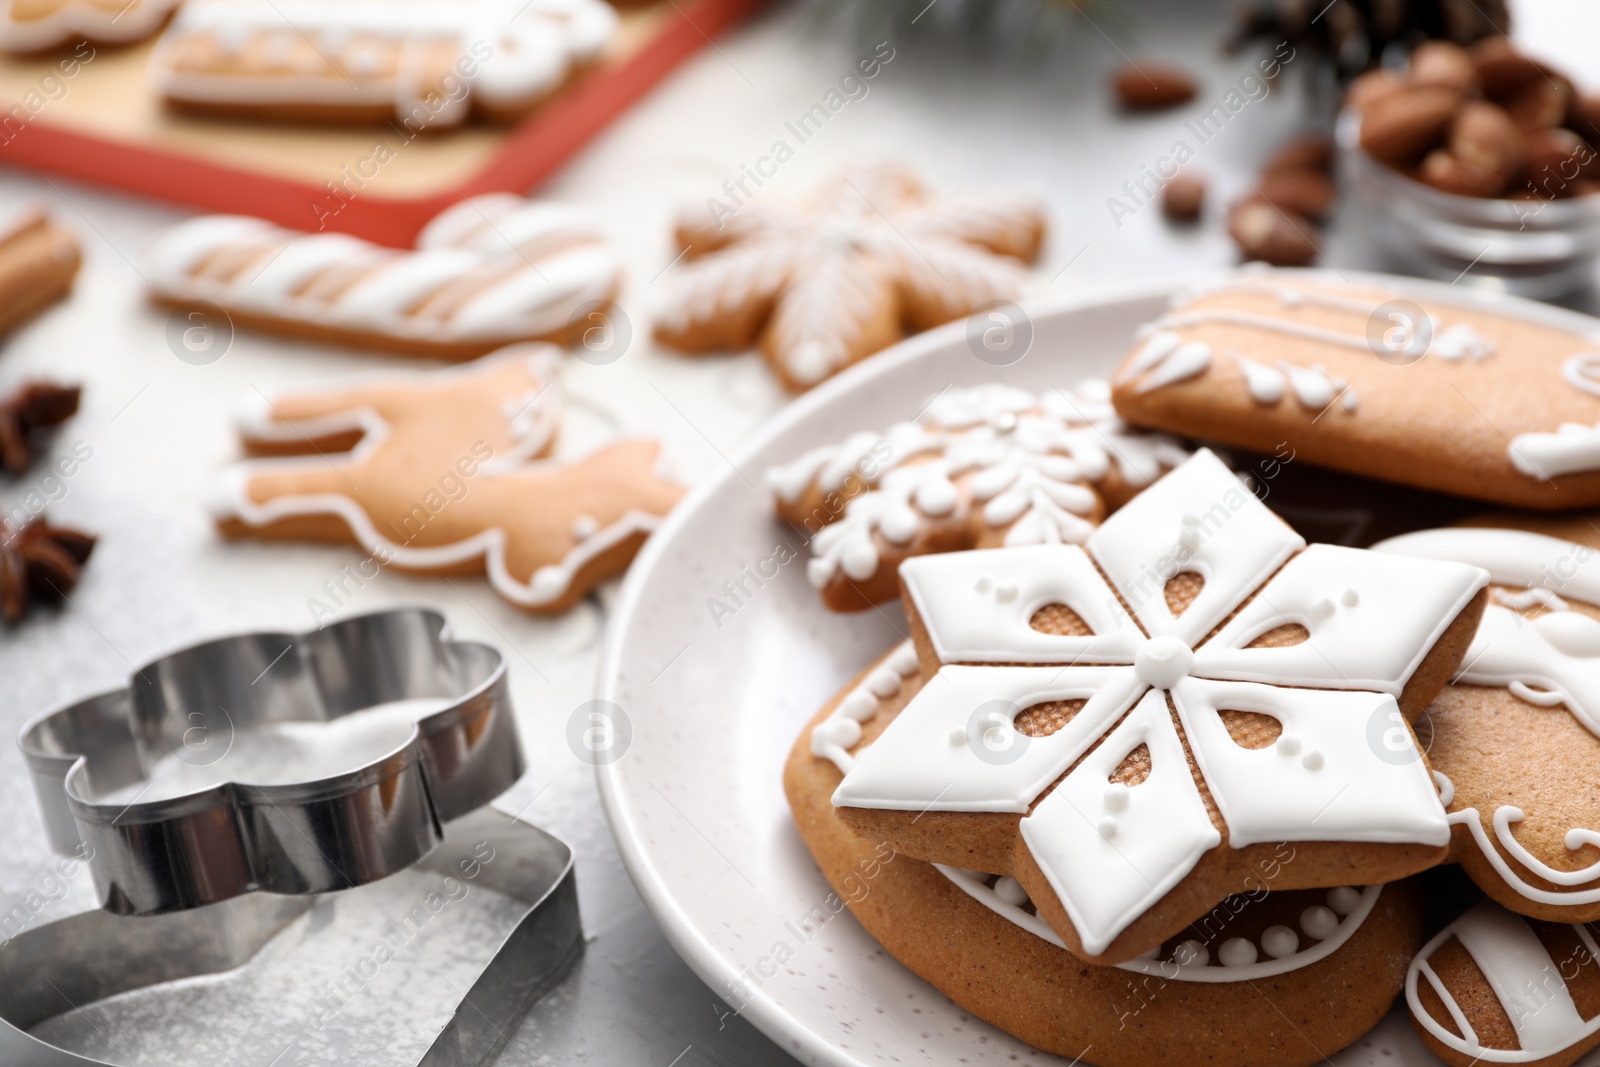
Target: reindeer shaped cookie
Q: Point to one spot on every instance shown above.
(442, 472)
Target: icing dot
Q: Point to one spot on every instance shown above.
(859, 705)
(958, 737)
(841, 732)
(1162, 661)
(585, 527)
(549, 582)
(1010, 890)
(1236, 952)
(859, 560)
(936, 496)
(1116, 797)
(1319, 922)
(1006, 592)
(1312, 761)
(1289, 745)
(884, 682)
(1290, 298)
(1280, 941)
(984, 585)
(809, 363)
(1344, 899)
(904, 661)
(1322, 608)
(898, 525)
(1108, 828)
(1191, 954)
(1005, 422)
(819, 571)
(1350, 598)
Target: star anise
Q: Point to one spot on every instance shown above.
(38, 562)
(34, 406)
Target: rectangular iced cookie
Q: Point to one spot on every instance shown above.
(1359, 378)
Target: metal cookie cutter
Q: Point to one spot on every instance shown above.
(52, 969)
(313, 836)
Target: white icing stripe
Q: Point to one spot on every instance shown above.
(362, 52)
(342, 283)
(1527, 983)
(1197, 969)
(1512, 557)
(1110, 851)
(1558, 652)
(535, 425)
(1180, 320)
(1018, 454)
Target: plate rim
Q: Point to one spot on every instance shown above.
(761, 1008)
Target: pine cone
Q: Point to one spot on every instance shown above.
(1350, 36)
(39, 562)
(34, 406)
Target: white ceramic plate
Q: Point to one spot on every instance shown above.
(715, 702)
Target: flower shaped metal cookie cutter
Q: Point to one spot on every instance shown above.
(324, 833)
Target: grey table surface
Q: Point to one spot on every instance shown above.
(159, 429)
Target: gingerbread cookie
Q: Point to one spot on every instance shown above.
(41, 25)
(826, 279)
(428, 65)
(980, 467)
(1516, 736)
(1130, 752)
(1494, 987)
(979, 939)
(485, 273)
(38, 261)
(1363, 379)
(441, 473)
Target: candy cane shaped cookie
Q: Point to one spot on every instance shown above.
(486, 272)
(426, 64)
(443, 472)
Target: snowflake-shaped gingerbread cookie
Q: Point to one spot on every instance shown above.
(981, 467)
(1127, 726)
(828, 278)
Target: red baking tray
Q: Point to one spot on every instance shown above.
(102, 124)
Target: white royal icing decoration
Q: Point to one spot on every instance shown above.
(1574, 446)
(1021, 456)
(536, 420)
(1527, 983)
(76, 20)
(508, 53)
(534, 263)
(1553, 659)
(1350, 907)
(1110, 854)
(833, 737)
(1265, 381)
